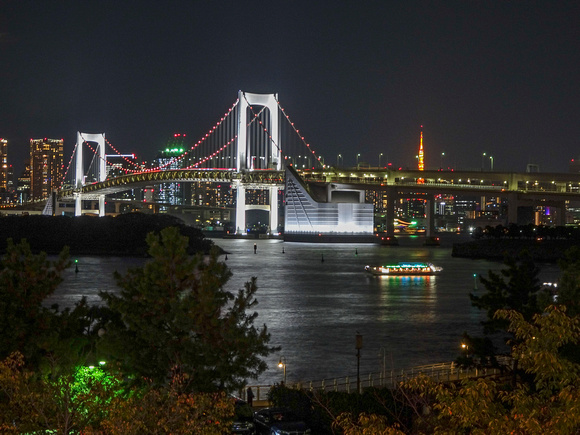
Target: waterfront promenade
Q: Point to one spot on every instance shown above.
(440, 372)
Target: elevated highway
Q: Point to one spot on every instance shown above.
(520, 189)
(533, 185)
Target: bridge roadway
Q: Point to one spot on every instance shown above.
(534, 186)
(251, 179)
(527, 186)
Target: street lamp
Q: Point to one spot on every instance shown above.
(380, 155)
(357, 157)
(491, 160)
(442, 155)
(282, 365)
(338, 156)
(482, 161)
(465, 347)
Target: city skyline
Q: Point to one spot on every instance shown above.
(481, 77)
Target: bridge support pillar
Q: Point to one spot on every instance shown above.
(512, 208)
(561, 214)
(391, 202)
(240, 208)
(78, 204)
(430, 217)
(101, 205)
(273, 210)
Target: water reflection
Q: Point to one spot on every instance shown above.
(314, 308)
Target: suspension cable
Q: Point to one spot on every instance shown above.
(256, 117)
(201, 141)
(68, 167)
(317, 158)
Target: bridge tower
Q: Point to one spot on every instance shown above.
(244, 158)
(79, 182)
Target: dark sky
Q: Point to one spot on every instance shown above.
(500, 77)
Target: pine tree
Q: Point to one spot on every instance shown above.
(516, 287)
(174, 317)
(26, 279)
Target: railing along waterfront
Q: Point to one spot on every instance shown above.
(441, 372)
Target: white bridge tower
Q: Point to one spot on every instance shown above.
(79, 182)
(244, 159)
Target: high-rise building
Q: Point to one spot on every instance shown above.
(3, 165)
(46, 166)
(171, 158)
(207, 194)
(23, 186)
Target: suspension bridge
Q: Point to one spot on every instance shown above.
(254, 142)
(248, 147)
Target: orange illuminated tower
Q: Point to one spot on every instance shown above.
(421, 161)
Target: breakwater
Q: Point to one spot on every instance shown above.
(549, 251)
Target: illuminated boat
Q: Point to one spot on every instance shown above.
(404, 269)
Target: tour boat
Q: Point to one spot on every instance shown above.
(404, 269)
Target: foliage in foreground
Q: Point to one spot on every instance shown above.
(94, 401)
(207, 344)
(549, 405)
(26, 325)
(320, 408)
(174, 317)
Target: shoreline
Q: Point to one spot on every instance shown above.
(546, 251)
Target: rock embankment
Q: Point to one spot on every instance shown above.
(497, 249)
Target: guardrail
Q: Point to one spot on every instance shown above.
(440, 372)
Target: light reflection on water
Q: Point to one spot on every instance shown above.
(314, 308)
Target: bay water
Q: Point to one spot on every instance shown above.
(315, 298)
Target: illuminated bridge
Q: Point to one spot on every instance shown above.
(248, 147)
(254, 142)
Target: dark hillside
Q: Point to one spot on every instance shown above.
(87, 235)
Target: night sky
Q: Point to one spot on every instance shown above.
(500, 77)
